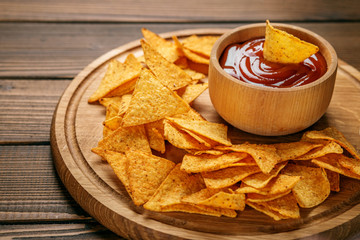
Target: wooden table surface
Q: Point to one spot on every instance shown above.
(44, 44)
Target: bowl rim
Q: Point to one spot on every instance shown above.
(331, 68)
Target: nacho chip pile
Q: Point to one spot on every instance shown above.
(148, 108)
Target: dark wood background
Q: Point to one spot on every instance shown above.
(44, 44)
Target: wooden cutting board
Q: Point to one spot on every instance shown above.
(77, 127)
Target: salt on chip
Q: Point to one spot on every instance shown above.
(146, 172)
(152, 101)
(166, 48)
(117, 74)
(207, 162)
(228, 176)
(213, 131)
(176, 185)
(123, 139)
(282, 47)
(221, 198)
(313, 188)
(169, 74)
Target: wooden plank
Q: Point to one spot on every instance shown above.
(75, 231)
(63, 50)
(178, 11)
(30, 189)
(26, 109)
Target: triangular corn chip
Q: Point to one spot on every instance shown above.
(152, 101)
(146, 172)
(201, 45)
(167, 72)
(117, 74)
(282, 47)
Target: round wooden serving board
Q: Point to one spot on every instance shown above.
(77, 127)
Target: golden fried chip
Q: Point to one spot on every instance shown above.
(260, 180)
(214, 131)
(152, 101)
(192, 56)
(123, 139)
(313, 188)
(114, 101)
(156, 139)
(124, 104)
(118, 162)
(117, 74)
(166, 48)
(292, 150)
(282, 47)
(181, 139)
(146, 172)
(190, 115)
(255, 197)
(280, 184)
(228, 176)
(329, 147)
(281, 208)
(207, 162)
(264, 155)
(333, 134)
(201, 45)
(334, 180)
(332, 162)
(199, 209)
(168, 73)
(191, 92)
(113, 123)
(176, 185)
(196, 76)
(221, 198)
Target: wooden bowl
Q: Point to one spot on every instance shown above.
(264, 110)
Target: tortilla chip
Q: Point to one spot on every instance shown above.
(176, 185)
(213, 131)
(264, 209)
(123, 139)
(312, 189)
(333, 134)
(221, 198)
(117, 74)
(113, 123)
(334, 180)
(118, 162)
(146, 172)
(124, 104)
(200, 45)
(181, 139)
(329, 147)
(228, 176)
(264, 155)
(156, 139)
(281, 208)
(207, 162)
(199, 209)
(292, 150)
(282, 47)
(166, 48)
(114, 101)
(152, 101)
(191, 92)
(332, 163)
(280, 184)
(258, 198)
(192, 56)
(168, 73)
(260, 180)
(196, 76)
